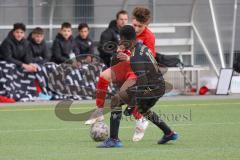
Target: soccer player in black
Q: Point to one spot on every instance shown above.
(143, 91)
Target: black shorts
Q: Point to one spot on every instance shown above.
(139, 92)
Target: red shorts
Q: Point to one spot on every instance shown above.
(123, 71)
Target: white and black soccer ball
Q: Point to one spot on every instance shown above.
(99, 131)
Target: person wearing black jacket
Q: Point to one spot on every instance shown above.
(236, 64)
(64, 46)
(84, 42)
(112, 34)
(15, 48)
(38, 47)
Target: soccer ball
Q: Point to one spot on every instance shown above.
(99, 131)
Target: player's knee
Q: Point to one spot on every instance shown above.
(106, 75)
(116, 102)
(103, 75)
(146, 114)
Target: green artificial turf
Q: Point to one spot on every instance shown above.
(208, 129)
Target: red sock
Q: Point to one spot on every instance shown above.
(136, 114)
(101, 92)
(38, 87)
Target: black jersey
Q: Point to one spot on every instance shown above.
(143, 62)
(150, 84)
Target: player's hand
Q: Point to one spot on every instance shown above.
(34, 66)
(122, 56)
(29, 67)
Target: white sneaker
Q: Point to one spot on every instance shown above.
(96, 116)
(141, 126)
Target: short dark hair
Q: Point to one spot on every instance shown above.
(121, 12)
(141, 14)
(127, 32)
(19, 26)
(83, 25)
(66, 25)
(38, 30)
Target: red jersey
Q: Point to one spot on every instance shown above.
(148, 39)
(123, 69)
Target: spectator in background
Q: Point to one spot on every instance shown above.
(112, 34)
(15, 48)
(64, 46)
(84, 43)
(236, 64)
(38, 47)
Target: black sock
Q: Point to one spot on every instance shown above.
(115, 123)
(154, 118)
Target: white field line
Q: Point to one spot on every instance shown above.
(126, 127)
(9, 109)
